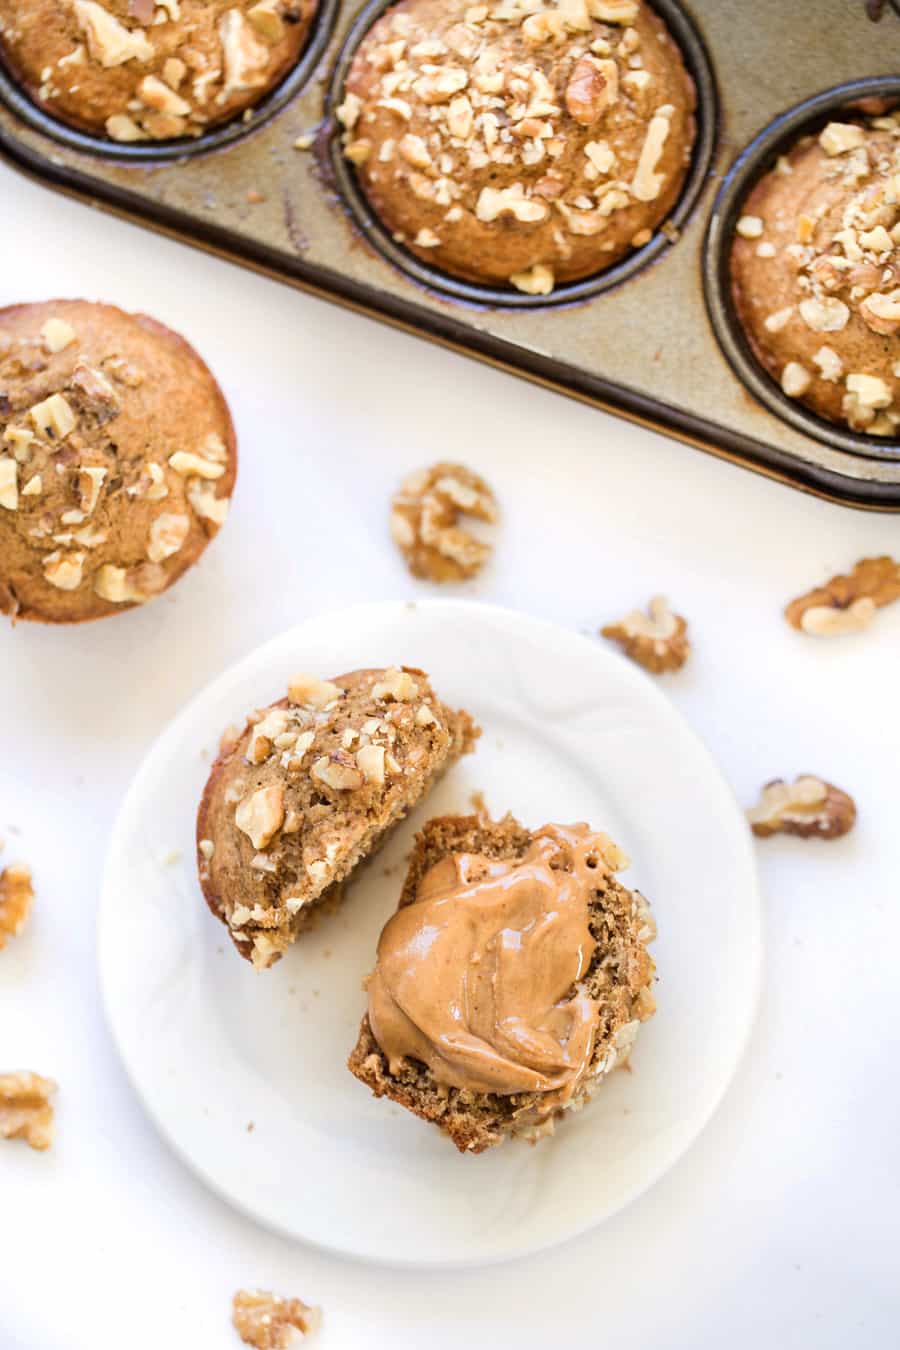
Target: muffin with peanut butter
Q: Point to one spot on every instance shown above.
(815, 268)
(142, 70)
(525, 141)
(530, 988)
(309, 789)
(117, 459)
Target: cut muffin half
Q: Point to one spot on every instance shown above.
(309, 789)
(466, 872)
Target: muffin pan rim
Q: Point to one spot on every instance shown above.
(749, 167)
(688, 38)
(15, 95)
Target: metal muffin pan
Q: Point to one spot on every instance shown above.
(638, 343)
(698, 63)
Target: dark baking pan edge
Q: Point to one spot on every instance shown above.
(864, 494)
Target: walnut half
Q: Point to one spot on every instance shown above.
(847, 604)
(656, 640)
(25, 1108)
(425, 516)
(809, 807)
(268, 1322)
(16, 899)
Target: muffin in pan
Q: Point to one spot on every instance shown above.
(137, 70)
(512, 979)
(815, 273)
(117, 459)
(309, 789)
(520, 142)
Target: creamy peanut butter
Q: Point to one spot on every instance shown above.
(475, 978)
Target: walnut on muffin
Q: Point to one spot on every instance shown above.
(815, 268)
(523, 142)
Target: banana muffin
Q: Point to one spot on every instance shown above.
(309, 789)
(815, 268)
(530, 988)
(117, 459)
(524, 141)
(137, 70)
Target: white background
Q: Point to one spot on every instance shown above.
(780, 1227)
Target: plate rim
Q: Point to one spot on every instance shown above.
(639, 680)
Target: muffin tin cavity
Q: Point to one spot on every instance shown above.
(695, 56)
(41, 119)
(854, 99)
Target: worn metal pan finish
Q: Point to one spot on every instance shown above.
(638, 341)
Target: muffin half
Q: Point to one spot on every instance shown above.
(528, 143)
(512, 979)
(309, 789)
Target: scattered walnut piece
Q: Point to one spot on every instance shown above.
(847, 604)
(268, 1322)
(809, 807)
(425, 516)
(656, 640)
(16, 899)
(25, 1109)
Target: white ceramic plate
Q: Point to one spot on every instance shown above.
(571, 732)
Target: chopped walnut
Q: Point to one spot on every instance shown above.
(268, 1322)
(260, 815)
(425, 516)
(338, 770)
(16, 899)
(25, 1109)
(809, 807)
(847, 604)
(657, 640)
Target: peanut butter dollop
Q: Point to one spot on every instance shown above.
(476, 977)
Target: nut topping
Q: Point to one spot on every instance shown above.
(847, 604)
(593, 87)
(16, 899)
(809, 807)
(657, 640)
(308, 691)
(268, 1322)
(25, 1108)
(339, 771)
(108, 40)
(260, 814)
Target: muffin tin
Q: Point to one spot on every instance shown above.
(654, 338)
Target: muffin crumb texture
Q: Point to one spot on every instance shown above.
(117, 459)
(809, 807)
(26, 1111)
(16, 899)
(523, 143)
(815, 268)
(426, 516)
(611, 993)
(268, 1322)
(309, 789)
(136, 70)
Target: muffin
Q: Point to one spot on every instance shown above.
(520, 142)
(136, 70)
(309, 789)
(815, 272)
(117, 459)
(531, 987)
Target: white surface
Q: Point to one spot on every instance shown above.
(570, 732)
(780, 1226)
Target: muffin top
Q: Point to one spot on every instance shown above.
(117, 459)
(524, 141)
(137, 70)
(815, 270)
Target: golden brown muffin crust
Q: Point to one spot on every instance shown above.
(309, 789)
(815, 268)
(117, 459)
(521, 141)
(139, 70)
(619, 978)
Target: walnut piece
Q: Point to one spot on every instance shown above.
(260, 814)
(25, 1109)
(656, 640)
(847, 604)
(809, 807)
(268, 1322)
(16, 899)
(425, 517)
